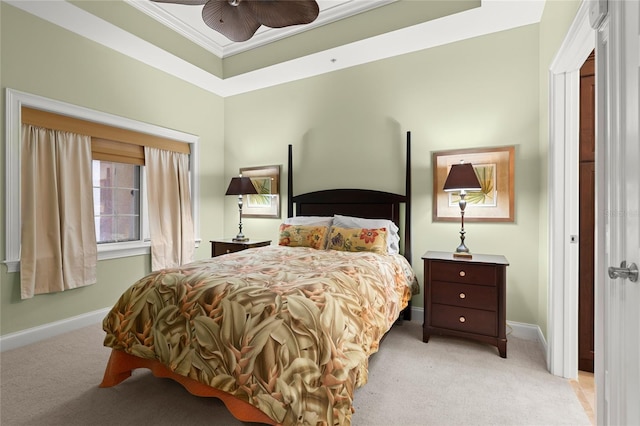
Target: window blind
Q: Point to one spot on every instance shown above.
(107, 143)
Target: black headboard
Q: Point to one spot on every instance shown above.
(364, 203)
(350, 202)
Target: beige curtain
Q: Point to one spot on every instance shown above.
(59, 250)
(169, 197)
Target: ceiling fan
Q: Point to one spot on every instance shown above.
(238, 20)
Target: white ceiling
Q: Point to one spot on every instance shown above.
(492, 16)
(187, 20)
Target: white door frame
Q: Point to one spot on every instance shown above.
(564, 95)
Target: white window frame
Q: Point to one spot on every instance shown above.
(15, 100)
(144, 209)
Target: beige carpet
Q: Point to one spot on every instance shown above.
(445, 382)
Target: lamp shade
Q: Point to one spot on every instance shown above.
(462, 177)
(241, 185)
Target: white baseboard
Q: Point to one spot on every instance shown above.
(35, 334)
(417, 314)
(524, 331)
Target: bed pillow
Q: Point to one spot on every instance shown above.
(303, 236)
(309, 220)
(358, 239)
(393, 238)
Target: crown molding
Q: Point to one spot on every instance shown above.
(220, 46)
(492, 16)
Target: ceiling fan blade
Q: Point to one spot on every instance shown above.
(237, 23)
(189, 2)
(279, 13)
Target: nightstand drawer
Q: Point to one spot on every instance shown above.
(461, 272)
(464, 319)
(220, 247)
(465, 295)
(224, 248)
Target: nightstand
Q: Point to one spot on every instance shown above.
(465, 297)
(219, 247)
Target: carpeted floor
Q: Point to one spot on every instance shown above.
(447, 381)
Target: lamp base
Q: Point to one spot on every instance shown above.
(240, 239)
(463, 255)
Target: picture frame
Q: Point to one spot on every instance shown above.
(266, 203)
(495, 170)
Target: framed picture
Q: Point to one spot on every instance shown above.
(495, 170)
(266, 203)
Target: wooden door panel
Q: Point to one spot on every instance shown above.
(586, 269)
(587, 216)
(587, 110)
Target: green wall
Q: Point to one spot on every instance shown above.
(348, 128)
(46, 60)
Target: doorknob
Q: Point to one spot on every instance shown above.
(623, 271)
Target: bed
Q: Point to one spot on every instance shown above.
(281, 334)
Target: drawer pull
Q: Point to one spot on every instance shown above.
(462, 295)
(463, 273)
(228, 251)
(462, 319)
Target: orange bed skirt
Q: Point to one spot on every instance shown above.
(121, 364)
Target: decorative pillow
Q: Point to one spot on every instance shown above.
(358, 239)
(303, 236)
(309, 220)
(393, 239)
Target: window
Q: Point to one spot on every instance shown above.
(120, 209)
(117, 244)
(117, 201)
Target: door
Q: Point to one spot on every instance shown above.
(587, 215)
(617, 215)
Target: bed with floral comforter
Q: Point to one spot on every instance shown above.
(288, 330)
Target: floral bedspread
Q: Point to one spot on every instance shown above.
(287, 329)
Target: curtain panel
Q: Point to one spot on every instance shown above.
(59, 250)
(170, 219)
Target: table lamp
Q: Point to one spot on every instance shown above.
(240, 186)
(462, 178)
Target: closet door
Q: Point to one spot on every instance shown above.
(587, 216)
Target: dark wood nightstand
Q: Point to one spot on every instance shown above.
(219, 247)
(465, 297)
